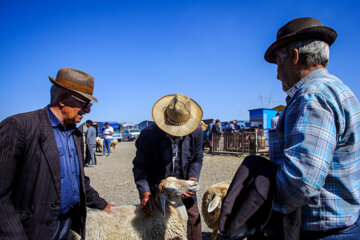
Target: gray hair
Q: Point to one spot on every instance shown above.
(56, 92)
(311, 52)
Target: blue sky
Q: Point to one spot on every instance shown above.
(139, 51)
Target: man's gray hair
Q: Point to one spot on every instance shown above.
(55, 93)
(311, 52)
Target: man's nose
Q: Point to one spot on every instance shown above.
(87, 109)
(84, 111)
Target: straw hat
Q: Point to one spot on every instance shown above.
(177, 114)
(76, 81)
(300, 29)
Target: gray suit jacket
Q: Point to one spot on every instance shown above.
(91, 135)
(30, 179)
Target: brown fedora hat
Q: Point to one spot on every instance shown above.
(76, 81)
(177, 114)
(300, 29)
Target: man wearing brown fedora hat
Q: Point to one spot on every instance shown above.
(43, 189)
(317, 140)
(171, 147)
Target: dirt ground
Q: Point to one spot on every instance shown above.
(113, 178)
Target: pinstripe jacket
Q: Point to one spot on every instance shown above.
(30, 179)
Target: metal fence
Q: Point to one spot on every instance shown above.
(245, 141)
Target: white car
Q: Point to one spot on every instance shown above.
(130, 134)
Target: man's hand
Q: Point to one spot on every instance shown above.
(107, 208)
(188, 194)
(147, 204)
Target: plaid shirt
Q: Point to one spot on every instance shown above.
(317, 148)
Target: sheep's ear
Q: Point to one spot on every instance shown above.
(214, 203)
(163, 203)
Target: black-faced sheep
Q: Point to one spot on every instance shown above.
(211, 205)
(169, 219)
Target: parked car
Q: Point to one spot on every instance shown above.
(130, 134)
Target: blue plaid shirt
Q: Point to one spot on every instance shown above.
(317, 148)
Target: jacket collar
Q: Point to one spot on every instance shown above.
(291, 92)
(49, 148)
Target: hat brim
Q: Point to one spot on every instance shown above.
(159, 116)
(322, 33)
(86, 95)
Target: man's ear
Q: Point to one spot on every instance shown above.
(62, 101)
(294, 55)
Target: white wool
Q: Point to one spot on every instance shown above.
(129, 223)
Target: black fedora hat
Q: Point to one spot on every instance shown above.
(300, 29)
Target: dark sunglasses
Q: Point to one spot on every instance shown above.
(85, 104)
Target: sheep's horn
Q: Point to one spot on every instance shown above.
(214, 203)
(163, 203)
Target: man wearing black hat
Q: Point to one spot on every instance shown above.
(43, 189)
(317, 140)
(90, 141)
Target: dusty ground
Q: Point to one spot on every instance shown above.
(113, 178)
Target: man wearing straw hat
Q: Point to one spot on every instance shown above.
(43, 189)
(316, 143)
(171, 147)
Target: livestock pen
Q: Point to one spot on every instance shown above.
(248, 141)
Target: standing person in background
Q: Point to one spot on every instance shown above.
(108, 132)
(234, 142)
(90, 141)
(43, 188)
(226, 127)
(172, 147)
(274, 121)
(209, 129)
(317, 139)
(233, 126)
(217, 130)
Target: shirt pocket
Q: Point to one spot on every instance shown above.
(62, 159)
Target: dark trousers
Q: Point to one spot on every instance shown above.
(62, 229)
(90, 157)
(194, 221)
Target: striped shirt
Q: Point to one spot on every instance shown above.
(316, 146)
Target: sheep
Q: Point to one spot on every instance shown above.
(113, 144)
(211, 205)
(100, 144)
(169, 219)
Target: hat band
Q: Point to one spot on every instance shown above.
(175, 123)
(74, 86)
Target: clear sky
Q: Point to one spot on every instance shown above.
(139, 51)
